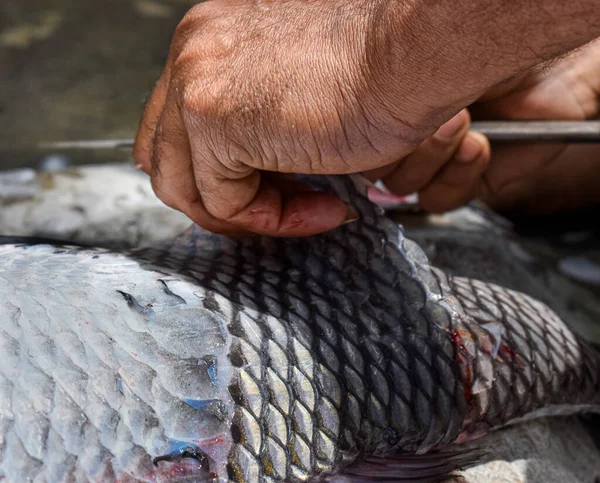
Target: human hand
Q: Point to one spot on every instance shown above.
(443, 170)
(550, 177)
(530, 178)
(254, 91)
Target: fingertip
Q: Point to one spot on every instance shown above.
(473, 146)
(454, 126)
(312, 213)
(484, 143)
(485, 157)
(457, 183)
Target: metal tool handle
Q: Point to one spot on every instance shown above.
(540, 131)
(496, 131)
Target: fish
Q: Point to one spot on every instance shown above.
(342, 357)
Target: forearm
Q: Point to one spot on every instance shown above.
(464, 48)
(506, 37)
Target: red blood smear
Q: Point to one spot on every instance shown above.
(463, 361)
(214, 441)
(511, 354)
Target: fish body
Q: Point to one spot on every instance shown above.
(342, 357)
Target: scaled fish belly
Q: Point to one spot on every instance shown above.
(339, 357)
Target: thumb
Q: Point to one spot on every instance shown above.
(269, 204)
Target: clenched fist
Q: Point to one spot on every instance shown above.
(253, 89)
(256, 90)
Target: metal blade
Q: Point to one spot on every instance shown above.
(496, 131)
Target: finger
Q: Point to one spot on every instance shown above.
(144, 141)
(514, 167)
(186, 30)
(517, 161)
(259, 204)
(263, 203)
(417, 169)
(568, 182)
(457, 183)
(173, 175)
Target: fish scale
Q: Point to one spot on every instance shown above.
(342, 355)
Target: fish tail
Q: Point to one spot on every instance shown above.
(520, 359)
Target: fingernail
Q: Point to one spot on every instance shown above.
(452, 127)
(351, 215)
(468, 151)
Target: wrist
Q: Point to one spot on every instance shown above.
(430, 59)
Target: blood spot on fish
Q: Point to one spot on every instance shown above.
(511, 355)
(504, 349)
(216, 441)
(463, 360)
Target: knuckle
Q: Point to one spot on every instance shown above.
(189, 26)
(240, 157)
(181, 200)
(161, 194)
(195, 18)
(205, 33)
(444, 145)
(196, 97)
(197, 11)
(141, 155)
(193, 99)
(451, 133)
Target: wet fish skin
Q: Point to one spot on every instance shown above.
(274, 360)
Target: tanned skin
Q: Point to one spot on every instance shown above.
(255, 90)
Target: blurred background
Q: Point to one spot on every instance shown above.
(78, 69)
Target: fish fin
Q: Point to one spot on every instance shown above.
(426, 468)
